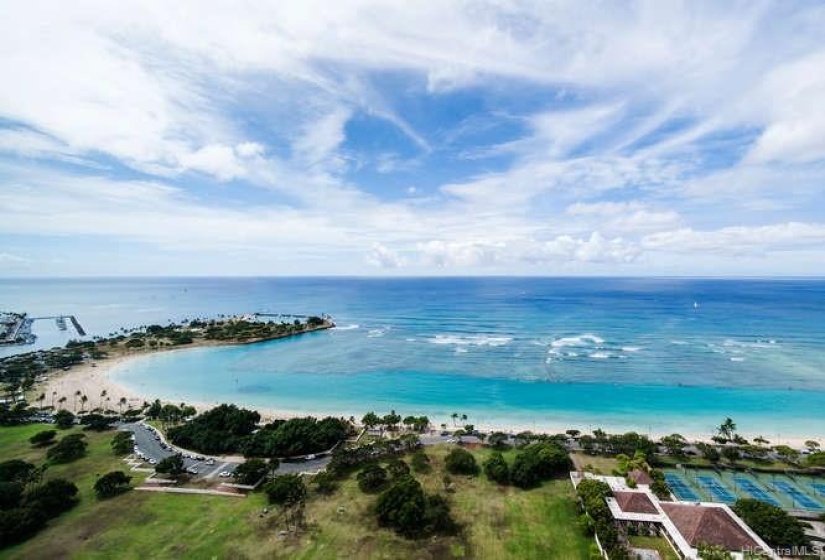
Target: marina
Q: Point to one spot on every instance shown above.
(16, 328)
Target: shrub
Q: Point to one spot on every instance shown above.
(461, 461)
(496, 469)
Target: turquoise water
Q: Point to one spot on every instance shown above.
(648, 354)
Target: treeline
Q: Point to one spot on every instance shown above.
(597, 517)
(229, 429)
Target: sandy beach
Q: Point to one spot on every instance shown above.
(92, 378)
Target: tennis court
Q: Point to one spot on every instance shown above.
(799, 492)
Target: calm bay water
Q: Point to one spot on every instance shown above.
(649, 354)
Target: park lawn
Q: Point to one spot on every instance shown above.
(658, 544)
(500, 523)
(598, 463)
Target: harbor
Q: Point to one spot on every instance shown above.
(16, 328)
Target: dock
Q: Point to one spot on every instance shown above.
(15, 328)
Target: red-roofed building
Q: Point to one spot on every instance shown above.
(685, 525)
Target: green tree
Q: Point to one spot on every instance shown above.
(727, 429)
(397, 468)
(812, 445)
(420, 462)
(97, 422)
(251, 471)
(68, 449)
(287, 490)
(370, 420)
(372, 478)
(64, 419)
(122, 443)
(325, 483)
(713, 552)
(731, 453)
(461, 461)
(786, 453)
(772, 523)
(496, 469)
(391, 420)
(45, 437)
(172, 465)
(111, 484)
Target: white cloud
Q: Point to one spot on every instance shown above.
(739, 240)
(382, 257)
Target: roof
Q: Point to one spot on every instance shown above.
(640, 477)
(635, 502)
(710, 525)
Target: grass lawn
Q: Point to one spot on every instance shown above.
(599, 464)
(500, 523)
(658, 544)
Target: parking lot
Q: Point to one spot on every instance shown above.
(152, 448)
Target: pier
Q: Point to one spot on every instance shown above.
(15, 328)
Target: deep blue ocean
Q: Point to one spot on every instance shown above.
(655, 355)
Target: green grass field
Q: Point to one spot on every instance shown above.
(499, 523)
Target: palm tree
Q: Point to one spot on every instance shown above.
(83, 400)
(54, 394)
(76, 394)
(454, 416)
(102, 394)
(120, 404)
(727, 429)
(41, 398)
(61, 400)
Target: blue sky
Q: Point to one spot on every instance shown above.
(412, 138)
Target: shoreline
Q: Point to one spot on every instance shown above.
(91, 380)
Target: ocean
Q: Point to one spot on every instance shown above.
(653, 355)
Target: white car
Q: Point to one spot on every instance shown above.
(225, 474)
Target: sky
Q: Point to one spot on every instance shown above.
(405, 138)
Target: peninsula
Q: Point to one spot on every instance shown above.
(39, 373)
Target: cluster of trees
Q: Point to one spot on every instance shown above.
(172, 465)
(412, 513)
(222, 429)
(169, 413)
(43, 438)
(592, 494)
(296, 436)
(345, 459)
(239, 330)
(533, 464)
(613, 444)
(772, 523)
(27, 503)
(229, 429)
(286, 490)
